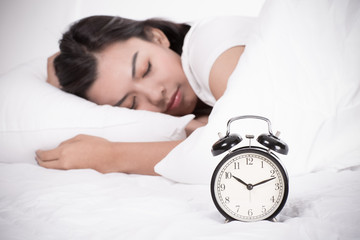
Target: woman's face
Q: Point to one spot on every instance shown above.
(142, 75)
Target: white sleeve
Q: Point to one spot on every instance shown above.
(205, 42)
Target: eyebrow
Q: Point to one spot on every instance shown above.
(133, 64)
(133, 72)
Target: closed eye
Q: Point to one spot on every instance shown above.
(147, 70)
(133, 105)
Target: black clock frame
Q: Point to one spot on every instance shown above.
(257, 150)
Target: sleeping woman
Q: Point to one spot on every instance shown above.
(153, 65)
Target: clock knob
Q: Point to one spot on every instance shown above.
(274, 143)
(225, 143)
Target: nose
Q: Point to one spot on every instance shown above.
(154, 93)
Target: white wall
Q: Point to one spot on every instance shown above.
(32, 28)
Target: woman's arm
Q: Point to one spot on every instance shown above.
(97, 153)
(222, 69)
(84, 151)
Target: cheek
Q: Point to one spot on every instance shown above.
(170, 62)
(145, 105)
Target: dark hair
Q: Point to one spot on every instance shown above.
(76, 65)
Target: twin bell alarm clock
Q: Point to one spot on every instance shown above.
(250, 183)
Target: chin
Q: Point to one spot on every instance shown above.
(180, 113)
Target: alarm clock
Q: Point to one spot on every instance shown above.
(250, 183)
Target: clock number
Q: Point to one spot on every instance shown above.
(227, 200)
(263, 210)
(272, 199)
(222, 187)
(272, 173)
(249, 161)
(250, 212)
(262, 164)
(237, 208)
(236, 165)
(277, 186)
(228, 175)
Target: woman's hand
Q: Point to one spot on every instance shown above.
(196, 123)
(51, 76)
(82, 151)
(97, 153)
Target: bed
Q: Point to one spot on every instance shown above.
(314, 44)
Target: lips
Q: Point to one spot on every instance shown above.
(175, 100)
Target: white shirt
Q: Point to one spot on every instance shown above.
(205, 42)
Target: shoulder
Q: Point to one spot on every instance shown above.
(205, 42)
(217, 29)
(223, 24)
(210, 37)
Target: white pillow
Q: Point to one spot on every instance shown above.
(301, 70)
(35, 115)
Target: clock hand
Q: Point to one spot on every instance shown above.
(241, 181)
(262, 182)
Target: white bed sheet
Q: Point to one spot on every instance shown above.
(37, 203)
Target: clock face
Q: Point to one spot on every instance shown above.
(249, 185)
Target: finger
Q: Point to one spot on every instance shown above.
(48, 155)
(53, 164)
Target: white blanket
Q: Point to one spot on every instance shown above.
(300, 70)
(44, 204)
